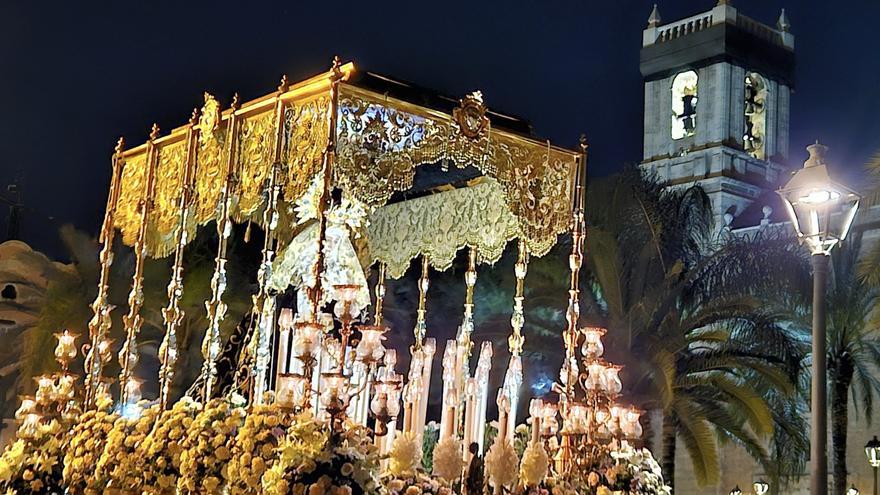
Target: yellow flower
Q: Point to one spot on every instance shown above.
(211, 484)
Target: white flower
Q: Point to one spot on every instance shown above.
(501, 463)
(535, 464)
(448, 461)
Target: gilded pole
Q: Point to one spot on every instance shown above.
(336, 76)
(514, 376)
(463, 339)
(173, 314)
(99, 325)
(467, 324)
(421, 328)
(260, 352)
(570, 336)
(216, 308)
(128, 356)
(380, 295)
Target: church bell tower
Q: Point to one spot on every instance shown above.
(717, 98)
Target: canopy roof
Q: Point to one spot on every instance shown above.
(386, 131)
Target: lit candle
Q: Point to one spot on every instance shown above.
(428, 351)
(469, 414)
(503, 410)
(536, 410)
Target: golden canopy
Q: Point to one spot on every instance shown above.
(385, 131)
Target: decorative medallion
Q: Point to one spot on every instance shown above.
(471, 116)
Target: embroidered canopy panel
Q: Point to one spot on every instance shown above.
(378, 144)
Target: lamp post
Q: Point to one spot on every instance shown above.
(821, 211)
(852, 490)
(872, 450)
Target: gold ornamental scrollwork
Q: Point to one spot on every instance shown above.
(127, 218)
(210, 157)
(306, 131)
(378, 148)
(254, 162)
(538, 186)
(165, 216)
(382, 141)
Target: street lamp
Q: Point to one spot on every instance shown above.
(736, 491)
(852, 490)
(822, 211)
(872, 450)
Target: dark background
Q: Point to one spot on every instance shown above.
(77, 75)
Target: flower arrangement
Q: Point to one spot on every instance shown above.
(448, 462)
(160, 450)
(534, 466)
(630, 471)
(118, 468)
(314, 460)
(502, 463)
(417, 484)
(32, 465)
(636, 470)
(84, 448)
(405, 456)
(254, 450)
(207, 446)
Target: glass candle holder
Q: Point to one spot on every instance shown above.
(306, 339)
(45, 389)
(370, 348)
(291, 391)
(592, 348)
(334, 395)
(611, 380)
(595, 376)
(65, 350)
(576, 421)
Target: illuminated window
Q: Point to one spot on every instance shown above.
(684, 104)
(755, 115)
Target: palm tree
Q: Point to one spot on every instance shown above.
(853, 349)
(71, 289)
(869, 262)
(684, 309)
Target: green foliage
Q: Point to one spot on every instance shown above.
(70, 291)
(429, 440)
(694, 314)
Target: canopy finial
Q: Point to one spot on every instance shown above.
(783, 24)
(654, 19)
(154, 132)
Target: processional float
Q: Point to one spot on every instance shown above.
(346, 171)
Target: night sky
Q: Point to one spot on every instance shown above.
(77, 75)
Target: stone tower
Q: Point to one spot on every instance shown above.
(717, 99)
